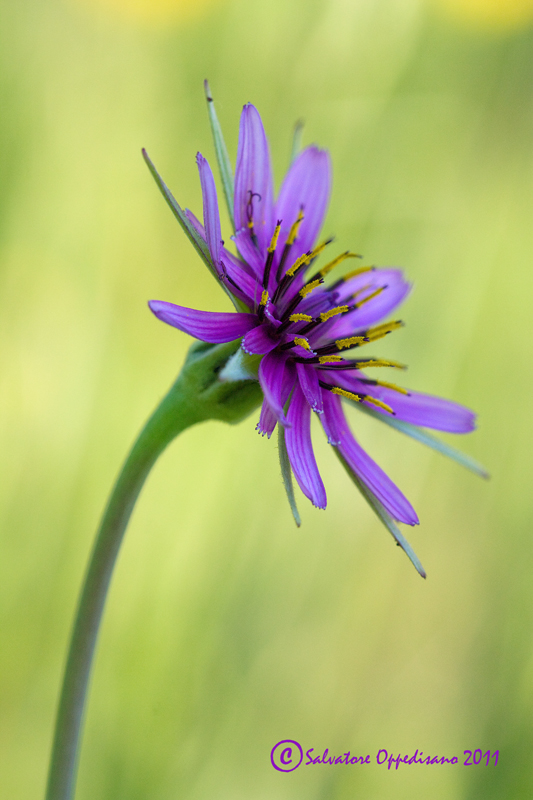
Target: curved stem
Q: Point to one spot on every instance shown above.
(173, 415)
(197, 395)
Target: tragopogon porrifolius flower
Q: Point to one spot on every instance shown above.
(309, 338)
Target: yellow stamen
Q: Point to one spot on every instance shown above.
(264, 298)
(379, 362)
(378, 403)
(356, 272)
(333, 312)
(302, 342)
(329, 359)
(251, 224)
(274, 240)
(379, 331)
(294, 229)
(300, 318)
(319, 249)
(332, 264)
(350, 395)
(305, 259)
(305, 290)
(392, 386)
(370, 297)
(342, 344)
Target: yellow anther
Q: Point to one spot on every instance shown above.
(356, 272)
(319, 248)
(379, 362)
(264, 298)
(376, 402)
(294, 228)
(333, 312)
(329, 359)
(304, 291)
(251, 224)
(359, 291)
(300, 318)
(274, 240)
(332, 264)
(302, 342)
(392, 386)
(342, 344)
(382, 330)
(350, 395)
(370, 296)
(305, 259)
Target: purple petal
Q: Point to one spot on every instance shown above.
(267, 420)
(249, 252)
(374, 310)
(211, 216)
(253, 179)
(195, 222)
(276, 378)
(268, 417)
(377, 481)
(239, 272)
(209, 326)
(238, 281)
(424, 409)
(308, 379)
(307, 184)
(300, 449)
(333, 420)
(259, 340)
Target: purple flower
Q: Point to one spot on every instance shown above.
(306, 334)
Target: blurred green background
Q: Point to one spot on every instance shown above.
(227, 629)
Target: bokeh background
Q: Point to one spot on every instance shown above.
(228, 629)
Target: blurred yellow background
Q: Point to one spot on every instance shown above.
(227, 629)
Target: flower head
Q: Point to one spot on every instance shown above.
(309, 334)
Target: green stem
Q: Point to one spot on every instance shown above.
(197, 395)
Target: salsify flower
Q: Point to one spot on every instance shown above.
(309, 337)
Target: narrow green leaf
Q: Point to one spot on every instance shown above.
(297, 139)
(224, 165)
(381, 512)
(196, 240)
(426, 438)
(286, 473)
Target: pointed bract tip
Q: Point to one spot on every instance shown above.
(207, 91)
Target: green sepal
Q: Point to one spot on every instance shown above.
(286, 473)
(385, 518)
(224, 165)
(426, 438)
(200, 389)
